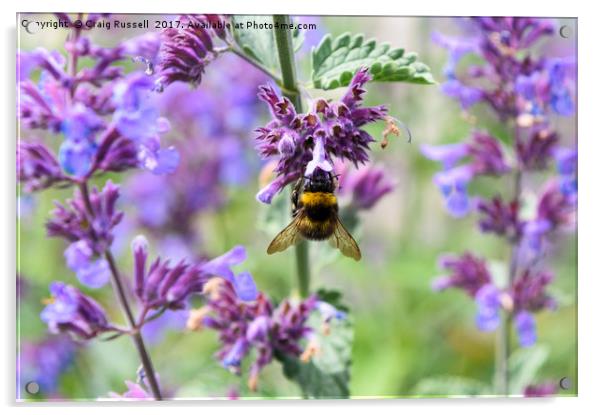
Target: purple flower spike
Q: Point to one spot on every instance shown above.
(71, 311)
(37, 168)
(488, 307)
(244, 326)
(303, 142)
(524, 323)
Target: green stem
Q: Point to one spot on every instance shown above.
(286, 57)
(503, 336)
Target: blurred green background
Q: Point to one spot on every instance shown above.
(404, 332)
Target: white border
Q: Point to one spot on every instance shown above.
(590, 289)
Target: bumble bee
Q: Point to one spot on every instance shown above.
(315, 216)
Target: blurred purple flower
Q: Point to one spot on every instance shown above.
(328, 131)
(44, 362)
(499, 217)
(453, 185)
(37, 168)
(93, 273)
(70, 311)
(566, 165)
(488, 307)
(366, 185)
(524, 322)
(540, 391)
(467, 273)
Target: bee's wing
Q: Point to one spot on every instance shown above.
(287, 237)
(343, 240)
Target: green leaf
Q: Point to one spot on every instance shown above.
(334, 61)
(257, 44)
(451, 386)
(326, 375)
(260, 44)
(523, 366)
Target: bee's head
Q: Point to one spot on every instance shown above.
(320, 181)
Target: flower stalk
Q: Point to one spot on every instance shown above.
(286, 57)
(119, 290)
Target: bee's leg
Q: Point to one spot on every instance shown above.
(295, 196)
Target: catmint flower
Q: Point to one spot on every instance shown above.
(366, 185)
(453, 185)
(137, 119)
(71, 311)
(484, 156)
(499, 217)
(467, 273)
(166, 285)
(74, 222)
(93, 273)
(555, 210)
(187, 50)
(327, 132)
(37, 168)
(244, 326)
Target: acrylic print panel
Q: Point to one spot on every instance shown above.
(243, 207)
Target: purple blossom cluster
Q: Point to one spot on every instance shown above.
(526, 91)
(484, 156)
(189, 48)
(258, 325)
(302, 143)
(526, 296)
(106, 119)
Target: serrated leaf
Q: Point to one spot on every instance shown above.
(260, 44)
(451, 386)
(334, 59)
(326, 375)
(523, 366)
